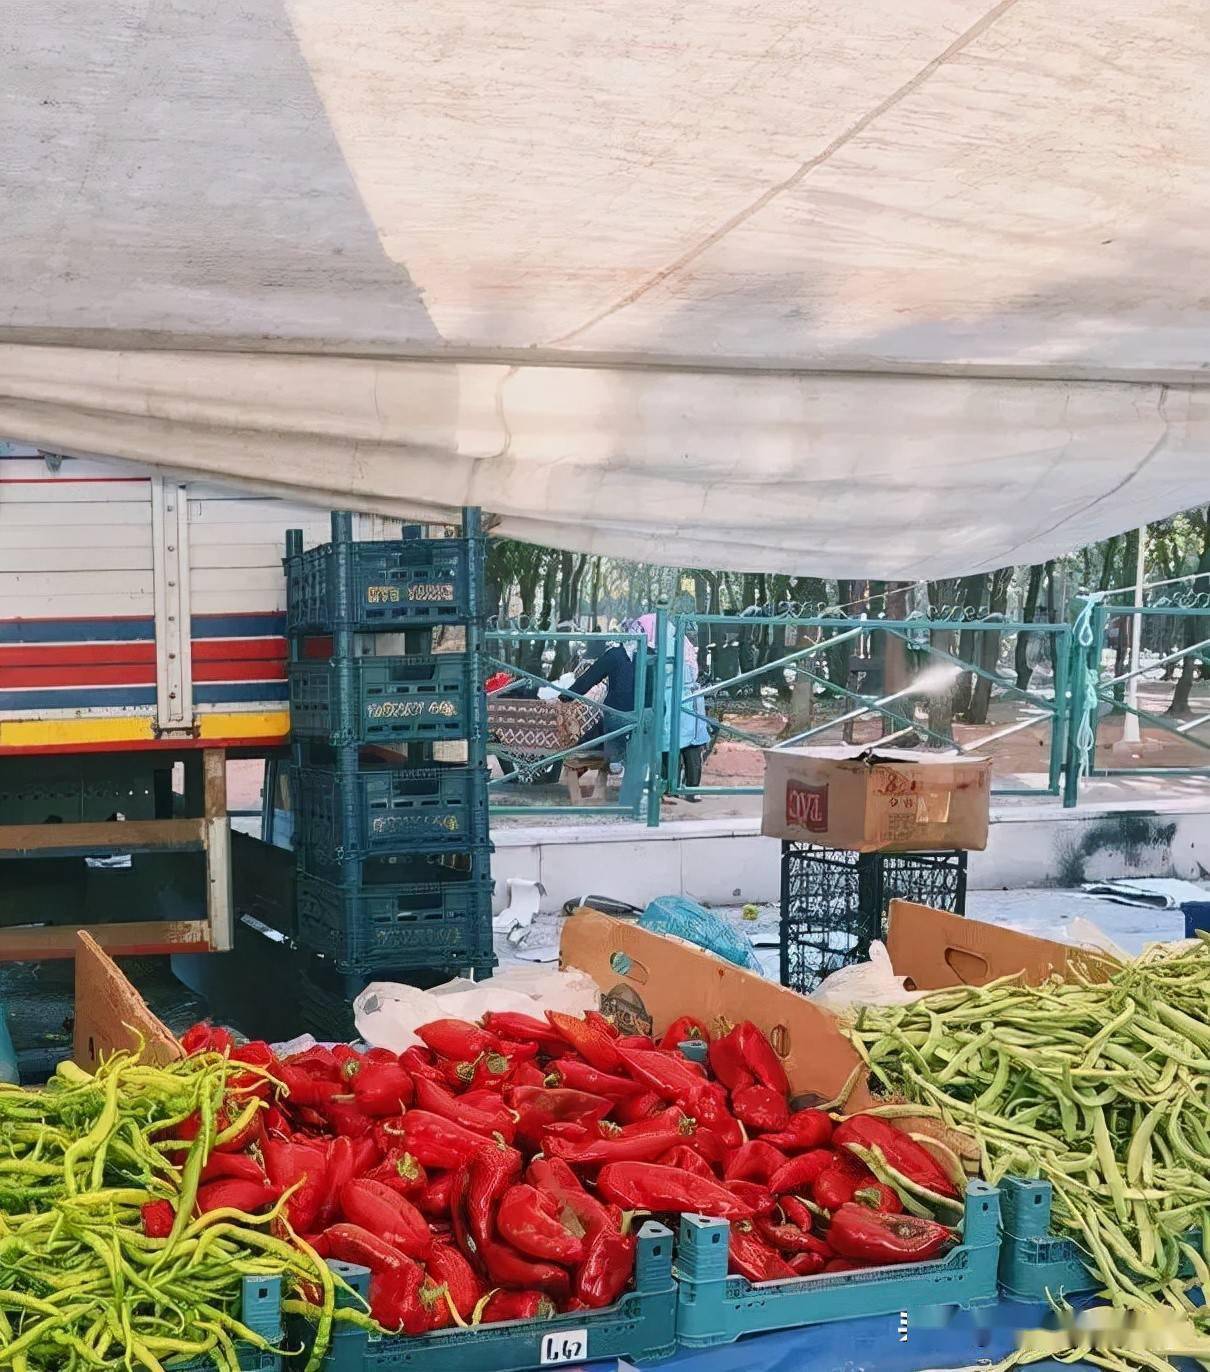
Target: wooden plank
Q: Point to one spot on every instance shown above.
(214, 783)
(34, 942)
(110, 1014)
(58, 557)
(130, 514)
(128, 836)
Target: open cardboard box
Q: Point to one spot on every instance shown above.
(647, 980)
(111, 1016)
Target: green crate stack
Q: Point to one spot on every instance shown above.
(391, 843)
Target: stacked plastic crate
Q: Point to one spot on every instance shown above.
(388, 778)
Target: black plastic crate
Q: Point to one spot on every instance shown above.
(834, 903)
(395, 869)
(434, 924)
(384, 699)
(383, 809)
(370, 587)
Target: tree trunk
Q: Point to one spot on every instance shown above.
(1108, 559)
(1029, 611)
(970, 597)
(594, 595)
(1194, 629)
(988, 648)
(1130, 554)
(939, 699)
(838, 658)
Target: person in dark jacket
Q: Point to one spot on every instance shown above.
(616, 668)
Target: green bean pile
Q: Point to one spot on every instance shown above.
(80, 1285)
(1102, 1087)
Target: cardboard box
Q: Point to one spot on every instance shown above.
(876, 800)
(934, 950)
(111, 1016)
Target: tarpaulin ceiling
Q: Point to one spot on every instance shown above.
(902, 289)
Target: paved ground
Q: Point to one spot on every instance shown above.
(1048, 914)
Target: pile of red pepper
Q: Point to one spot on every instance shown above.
(492, 1171)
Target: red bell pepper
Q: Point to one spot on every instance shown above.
(347, 1118)
(594, 1044)
(606, 1269)
(384, 1212)
(233, 1194)
(383, 1088)
(366, 1154)
(761, 1108)
(527, 1074)
(755, 1160)
(348, 1059)
(419, 1062)
(592, 1152)
(490, 1070)
(878, 1196)
(430, 1096)
(434, 1199)
(727, 1062)
(790, 1238)
(640, 1041)
(599, 1021)
(206, 1038)
(341, 1168)
(556, 1178)
(640, 1107)
(712, 1111)
(520, 1028)
(748, 1255)
(318, 1062)
(707, 1144)
(516, 1305)
(902, 1153)
(539, 1107)
(352, 1243)
(447, 1266)
(240, 1166)
(844, 1265)
(406, 1301)
(686, 1029)
(507, 1267)
(802, 1172)
(684, 1159)
(759, 1199)
(648, 1186)
(808, 1264)
(834, 1187)
(437, 1142)
(761, 1060)
(457, 1039)
(671, 1076)
(806, 1129)
(291, 1162)
(581, 1077)
(158, 1217)
(402, 1173)
(797, 1212)
(531, 1220)
(490, 1172)
(867, 1236)
(304, 1089)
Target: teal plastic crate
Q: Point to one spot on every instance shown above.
(261, 1312)
(714, 1308)
(418, 697)
(425, 924)
(639, 1327)
(368, 587)
(1034, 1262)
(381, 809)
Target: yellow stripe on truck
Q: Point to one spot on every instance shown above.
(137, 730)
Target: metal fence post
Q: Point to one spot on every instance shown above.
(655, 781)
(1060, 651)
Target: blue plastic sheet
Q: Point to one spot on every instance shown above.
(686, 919)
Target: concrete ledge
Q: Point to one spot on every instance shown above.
(725, 861)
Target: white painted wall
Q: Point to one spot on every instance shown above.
(726, 862)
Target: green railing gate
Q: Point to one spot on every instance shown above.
(930, 640)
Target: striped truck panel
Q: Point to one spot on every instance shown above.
(77, 613)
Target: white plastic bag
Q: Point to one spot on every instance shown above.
(864, 983)
(388, 1013)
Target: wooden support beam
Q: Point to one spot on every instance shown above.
(30, 942)
(85, 840)
(220, 901)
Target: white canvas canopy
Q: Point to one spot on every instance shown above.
(902, 288)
